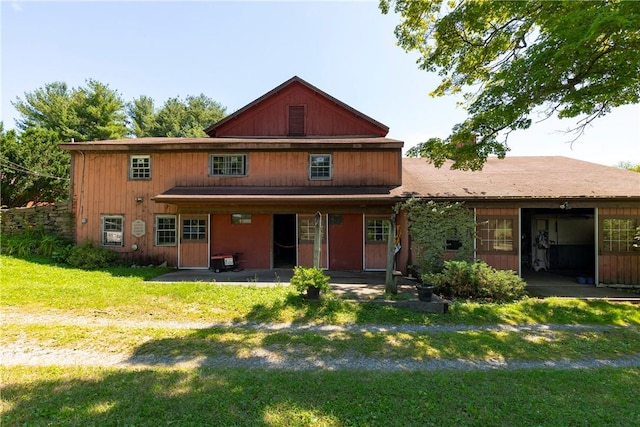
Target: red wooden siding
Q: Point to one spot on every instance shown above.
(618, 267)
(323, 117)
(253, 241)
(102, 185)
(345, 242)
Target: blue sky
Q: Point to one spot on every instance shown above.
(234, 52)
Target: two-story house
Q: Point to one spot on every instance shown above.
(253, 187)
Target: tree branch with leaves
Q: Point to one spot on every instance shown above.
(515, 60)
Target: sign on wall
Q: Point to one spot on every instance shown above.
(138, 228)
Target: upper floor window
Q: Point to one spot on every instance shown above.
(618, 234)
(228, 165)
(296, 120)
(140, 167)
(166, 230)
(496, 234)
(320, 166)
(112, 230)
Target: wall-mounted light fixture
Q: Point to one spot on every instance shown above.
(139, 199)
(565, 206)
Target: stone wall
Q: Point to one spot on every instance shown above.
(56, 218)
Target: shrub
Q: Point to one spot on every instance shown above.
(305, 277)
(36, 242)
(477, 281)
(439, 227)
(21, 244)
(89, 256)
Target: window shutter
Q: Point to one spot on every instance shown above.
(296, 120)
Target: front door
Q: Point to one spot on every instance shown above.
(284, 241)
(194, 241)
(345, 242)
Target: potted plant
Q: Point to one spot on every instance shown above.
(425, 292)
(310, 280)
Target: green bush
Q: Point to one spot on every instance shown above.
(476, 281)
(305, 277)
(89, 256)
(21, 244)
(30, 242)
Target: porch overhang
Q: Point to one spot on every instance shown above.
(276, 195)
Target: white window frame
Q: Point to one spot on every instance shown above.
(112, 233)
(320, 172)
(159, 230)
(494, 235)
(378, 230)
(195, 230)
(138, 172)
(228, 166)
(618, 234)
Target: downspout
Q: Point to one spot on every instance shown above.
(179, 229)
(475, 238)
(596, 225)
(520, 242)
(81, 201)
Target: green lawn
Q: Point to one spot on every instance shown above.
(126, 293)
(68, 396)
(238, 397)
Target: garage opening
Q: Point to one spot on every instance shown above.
(284, 240)
(560, 240)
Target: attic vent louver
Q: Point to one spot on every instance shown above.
(296, 120)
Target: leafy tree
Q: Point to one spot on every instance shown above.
(86, 113)
(176, 118)
(629, 166)
(518, 59)
(141, 112)
(100, 111)
(33, 168)
(48, 107)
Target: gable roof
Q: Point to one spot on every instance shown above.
(211, 130)
(518, 178)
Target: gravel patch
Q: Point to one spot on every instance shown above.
(66, 320)
(28, 354)
(15, 354)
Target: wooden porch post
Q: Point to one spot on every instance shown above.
(317, 240)
(390, 285)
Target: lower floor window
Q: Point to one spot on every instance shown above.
(378, 230)
(165, 230)
(112, 230)
(496, 235)
(618, 234)
(194, 229)
(306, 229)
